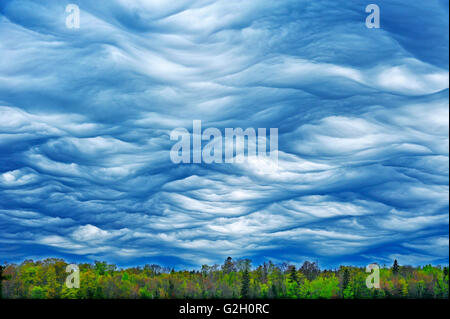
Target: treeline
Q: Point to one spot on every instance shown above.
(233, 279)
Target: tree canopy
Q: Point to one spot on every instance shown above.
(235, 279)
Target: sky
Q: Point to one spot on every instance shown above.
(362, 115)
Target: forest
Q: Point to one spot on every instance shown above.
(46, 279)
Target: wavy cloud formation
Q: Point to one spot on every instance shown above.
(86, 116)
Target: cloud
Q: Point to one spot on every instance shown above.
(86, 116)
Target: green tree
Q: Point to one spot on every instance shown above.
(348, 292)
(245, 288)
(346, 279)
(292, 289)
(347, 287)
(69, 293)
(52, 287)
(228, 266)
(293, 274)
(100, 267)
(144, 293)
(395, 267)
(325, 287)
(37, 292)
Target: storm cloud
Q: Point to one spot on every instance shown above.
(362, 115)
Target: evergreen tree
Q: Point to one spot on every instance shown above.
(346, 279)
(395, 267)
(293, 274)
(245, 284)
(228, 266)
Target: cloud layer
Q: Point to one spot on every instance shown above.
(86, 116)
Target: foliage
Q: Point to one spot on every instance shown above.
(235, 279)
